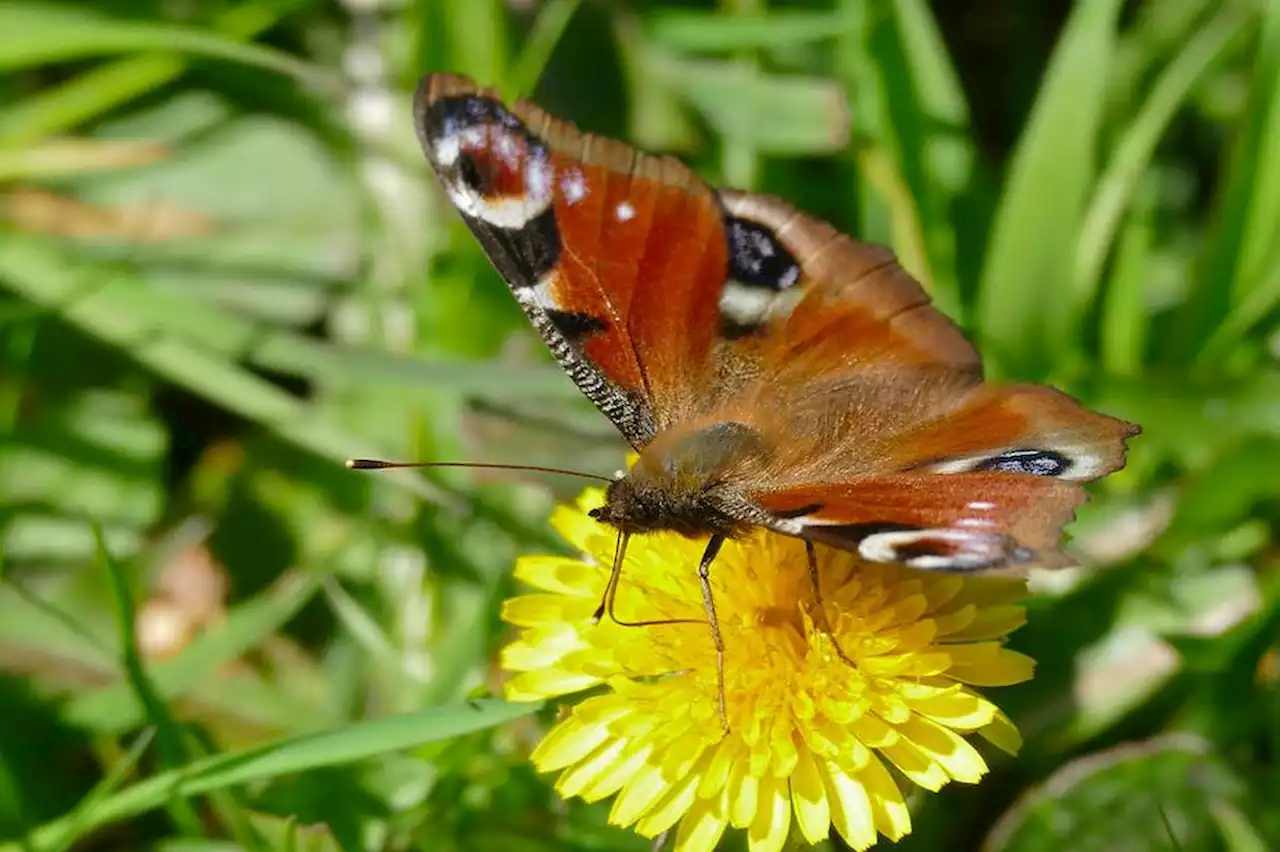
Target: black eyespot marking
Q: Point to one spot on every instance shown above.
(521, 255)
(574, 326)
(449, 117)
(479, 179)
(1035, 462)
(760, 271)
(757, 258)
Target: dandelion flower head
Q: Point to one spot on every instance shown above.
(815, 742)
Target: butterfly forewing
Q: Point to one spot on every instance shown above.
(617, 256)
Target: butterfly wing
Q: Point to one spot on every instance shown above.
(617, 257)
(882, 436)
(984, 520)
(675, 307)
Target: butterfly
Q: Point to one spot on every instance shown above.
(769, 370)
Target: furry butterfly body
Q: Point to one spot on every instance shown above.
(770, 371)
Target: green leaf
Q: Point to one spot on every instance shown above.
(1125, 322)
(1119, 799)
(115, 708)
(1137, 144)
(1238, 834)
(714, 33)
(948, 155)
(1024, 306)
(33, 34)
(102, 88)
(34, 270)
(1239, 254)
(169, 737)
(299, 754)
(806, 115)
(553, 18)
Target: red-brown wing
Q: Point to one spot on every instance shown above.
(977, 521)
(830, 304)
(882, 437)
(676, 308)
(1025, 429)
(617, 257)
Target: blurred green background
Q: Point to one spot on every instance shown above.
(224, 268)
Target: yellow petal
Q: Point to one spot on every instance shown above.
(638, 795)
(916, 637)
(744, 791)
(941, 590)
(561, 575)
(963, 711)
(1002, 733)
(990, 623)
(717, 774)
(951, 623)
(908, 665)
(538, 609)
(768, 831)
(670, 807)
(947, 748)
(909, 610)
(540, 648)
(702, 827)
(892, 816)
(566, 743)
(992, 591)
(873, 731)
(809, 799)
(919, 768)
(850, 807)
(573, 525)
(611, 780)
(583, 774)
(988, 664)
(546, 683)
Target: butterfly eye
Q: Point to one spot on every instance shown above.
(1035, 462)
(761, 270)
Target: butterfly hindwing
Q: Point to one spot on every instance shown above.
(978, 521)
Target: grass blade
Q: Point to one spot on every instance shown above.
(111, 84)
(1137, 143)
(1024, 299)
(357, 742)
(169, 737)
(1248, 210)
(33, 34)
(113, 709)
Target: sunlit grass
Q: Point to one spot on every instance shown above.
(224, 269)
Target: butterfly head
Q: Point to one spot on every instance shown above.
(687, 484)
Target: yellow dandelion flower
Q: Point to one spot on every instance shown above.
(812, 738)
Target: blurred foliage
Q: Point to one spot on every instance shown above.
(224, 268)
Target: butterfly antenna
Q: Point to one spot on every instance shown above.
(379, 464)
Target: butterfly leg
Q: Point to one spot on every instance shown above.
(611, 585)
(820, 608)
(610, 595)
(708, 602)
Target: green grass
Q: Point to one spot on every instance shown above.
(224, 268)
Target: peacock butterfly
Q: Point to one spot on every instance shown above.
(769, 370)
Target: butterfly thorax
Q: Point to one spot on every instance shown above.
(689, 483)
